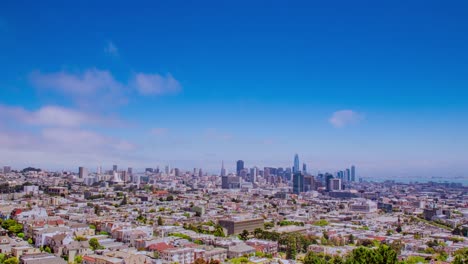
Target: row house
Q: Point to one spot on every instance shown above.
(178, 255)
(265, 246)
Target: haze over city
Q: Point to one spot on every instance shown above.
(189, 85)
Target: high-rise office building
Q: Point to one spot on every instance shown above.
(253, 174)
(296, 167)
(224, 182)
(239, 166)
(298, 182)
(130, 171)
(304, 168)
(223, 170)
(309, 183)
(82, 172)
(328, 180)
(114, 168)
(353, 173)
(348, 175)
(335, 184)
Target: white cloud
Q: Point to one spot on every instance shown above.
(52, 116)
(75, 141)
(343, 118)
(111, 49)
(85, 83)
(155, 84)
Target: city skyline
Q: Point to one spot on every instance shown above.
(192, 85)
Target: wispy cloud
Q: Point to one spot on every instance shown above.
(53, 116)
(344, 118)
(111, 49)
(94, 84)
(155, 84)
(85, 83)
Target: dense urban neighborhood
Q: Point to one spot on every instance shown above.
(251, 216)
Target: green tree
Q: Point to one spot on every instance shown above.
(2, 257)
(461, 256)
(244, 235)
(78, 259)
(80, 238)
(94, 244)
(219, 232)
(47, 249)
(313, 258)
(11, 260)
(386, 254)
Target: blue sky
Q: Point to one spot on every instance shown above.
(382, 85)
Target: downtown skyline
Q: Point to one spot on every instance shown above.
(189, 87)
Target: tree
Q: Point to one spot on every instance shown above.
(351, 239)
(78, 259)
(386, 254)
(2, 257)
(11, 260)
(47, 249)
(312, 258)
(80, 238)
(94, 244)
(461, 256)
(244, 235)
(160, 221)
(219, 232)
(257, 232)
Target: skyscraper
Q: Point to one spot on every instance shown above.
(253, 174)
(82, 172)
(304, 168)
(114, 168)
(239, 166)
(296, 167)
(223, 170)
(353, 173)
(298, 182)
(348, 175)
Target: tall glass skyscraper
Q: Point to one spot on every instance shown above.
(239, 166)
(298, 182)
(296, 167)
